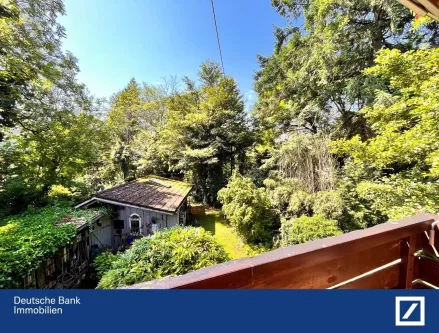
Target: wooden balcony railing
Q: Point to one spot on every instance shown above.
(382, 257)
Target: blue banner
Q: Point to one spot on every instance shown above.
(79, 311)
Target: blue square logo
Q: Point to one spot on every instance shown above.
(410, 311)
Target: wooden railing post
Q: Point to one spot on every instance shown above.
(407, 262)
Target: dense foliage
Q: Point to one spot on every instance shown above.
(27, 239)
(103, 263)
(343, 135)
(34, 165)
(207, 131)
(248, 209)
(314, 79)
(346, 114)
(403, 155)
(32, 63)
(199, 132)
(55, 137)
(303, 229)
(172, 251)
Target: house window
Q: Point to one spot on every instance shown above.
(135, 224)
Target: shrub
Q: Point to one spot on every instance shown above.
(300, 203)
(172, 251)
(103, 263)
(280, 191)
(59, 194)
(17, 194)
(248, 208)
(290, 199)
(303, 229)
(329, 204)
(358, 210)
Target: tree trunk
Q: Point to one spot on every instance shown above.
(232, 160)
(377, 33)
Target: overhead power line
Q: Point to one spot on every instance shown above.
(217, 36)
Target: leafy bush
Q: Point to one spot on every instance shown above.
(358, 211)
(303, 229)
(300, 203)
(103, 263)
(172, 251)
(290, 199)
(60, 194)
(252, 250)
(401, 195)
(248, 208)
(329, 204)
(16, 195)
(280, 190)
(29, 238)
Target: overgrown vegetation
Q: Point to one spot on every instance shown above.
(103, 263)
(343, 135)
(28, 238)
(402, 158)
(303, 229)
(50, 130)
(172, 251)
(226, 235)
(248, 209)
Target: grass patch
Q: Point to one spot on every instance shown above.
(213, 221)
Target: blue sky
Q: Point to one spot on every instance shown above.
(116, 40)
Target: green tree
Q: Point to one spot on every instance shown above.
(314, 79)
(136, 118)
(306, 158)
(248, 209)
(402, 158)
(124, 124)
(61, 152)
(31, 59)
(55, 135)
(153, 159)
(207, 131)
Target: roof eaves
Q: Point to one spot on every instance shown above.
(123, 203)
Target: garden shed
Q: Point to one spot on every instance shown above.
(143, 207)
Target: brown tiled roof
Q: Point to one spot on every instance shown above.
(151, 192)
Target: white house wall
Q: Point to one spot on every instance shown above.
(172, 220)
(101, 235)
(163, 220)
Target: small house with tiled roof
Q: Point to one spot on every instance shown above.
(144, 206)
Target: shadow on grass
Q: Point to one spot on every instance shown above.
(214, 222)
(208, 221)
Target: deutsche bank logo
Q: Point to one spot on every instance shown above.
(410, 311)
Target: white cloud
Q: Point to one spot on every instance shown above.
(249, 94)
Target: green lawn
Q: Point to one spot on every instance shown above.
(213, 221)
